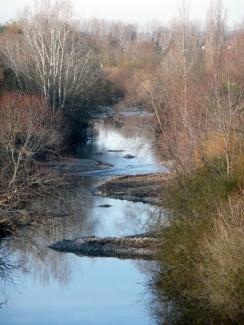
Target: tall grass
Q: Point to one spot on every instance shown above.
(202, 255)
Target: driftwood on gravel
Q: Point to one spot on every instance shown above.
(143, 246)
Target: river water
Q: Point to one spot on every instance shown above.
(60, 288)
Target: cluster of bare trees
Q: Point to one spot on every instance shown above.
(197, 93)
(52, 54)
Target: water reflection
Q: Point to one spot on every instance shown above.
(134, 137)
(102, 291)
(57, 276)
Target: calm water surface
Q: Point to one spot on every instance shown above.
(59, 288)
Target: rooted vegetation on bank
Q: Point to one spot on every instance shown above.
(199, 108)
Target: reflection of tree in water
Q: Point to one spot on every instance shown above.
(149, 297)
(166, 305)
(131, 133)
(72, 208)
(43, 264)
(152, 298)
(65, 215)
(133, 217)
(9, 268)
(142, 129)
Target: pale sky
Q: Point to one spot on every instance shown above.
(134, 11)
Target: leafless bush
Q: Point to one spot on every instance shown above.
(28, 132)
(197, 94)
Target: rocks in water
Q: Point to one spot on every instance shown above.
(128, 156)
(115, 150)
(103, 165)
(104, 206)
(144, 246)
(99, 153)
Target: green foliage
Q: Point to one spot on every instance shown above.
(2, 28)
(10, 81)
(75, 120)
(199, 190)
(105, 92)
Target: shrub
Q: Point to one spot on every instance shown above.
(202, 255)
(28, 132)
(221, 269)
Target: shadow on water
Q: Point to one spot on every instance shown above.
(62, 288)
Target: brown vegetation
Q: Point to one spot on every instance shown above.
(197, 97)
(29, 132)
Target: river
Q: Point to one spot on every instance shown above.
(60, 288)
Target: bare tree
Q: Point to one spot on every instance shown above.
(224, 114)
(53, 54)
(175, 93)
(215, 34)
